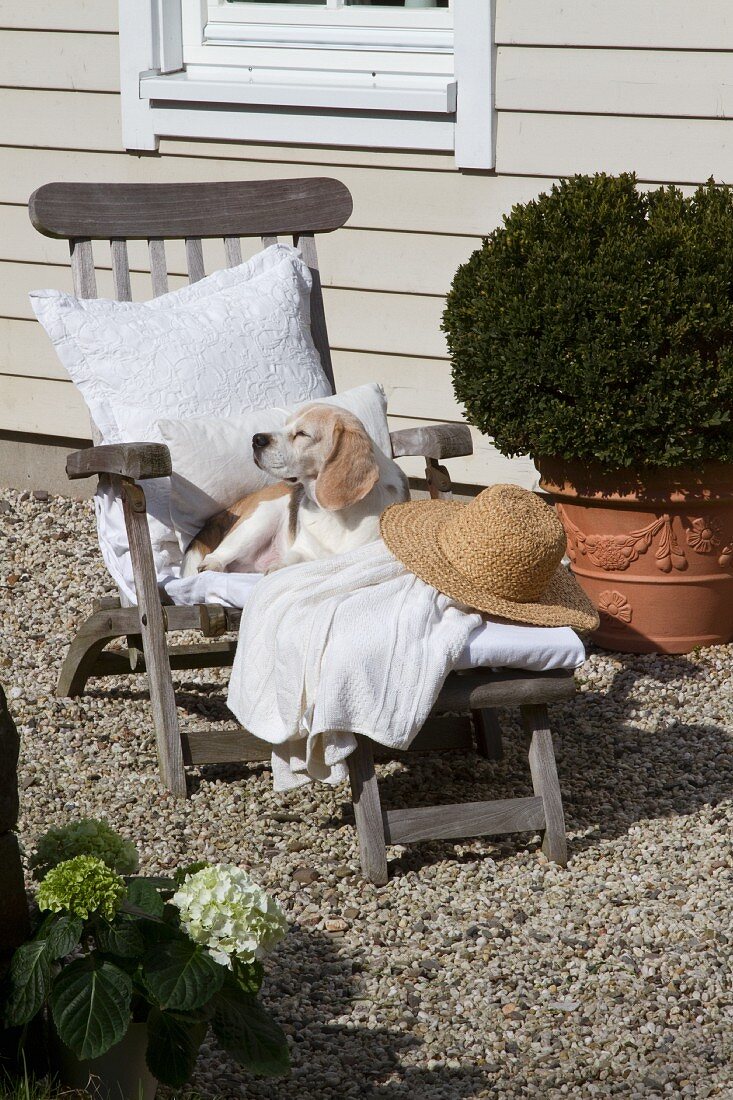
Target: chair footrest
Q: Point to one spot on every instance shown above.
(229, 745)
(115, 662)
(506, 815)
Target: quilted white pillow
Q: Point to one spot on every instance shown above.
(212, 457)
(237, 340)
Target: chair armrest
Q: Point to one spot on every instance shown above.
(137, 461)
(434, 441)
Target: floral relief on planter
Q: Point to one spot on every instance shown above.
(617, 552)
(615, 604)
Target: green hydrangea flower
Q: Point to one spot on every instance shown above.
(81, 886)
(224, 909)
(88, 837)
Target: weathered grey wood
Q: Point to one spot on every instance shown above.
(195, 259)
(451, 822)
(231, 745)
(438, 480)
(488, 734)
(252, 208)
(14, 920)
(267, 241)
(368, 812)
(433, 441)
(439, 734)
(197, 655)
(506, 687)
(158, 266)
(137, 461)
(82, 268)
(545, 782)
(162, 698)
(307, 245)
(233, 251)
(120, 270)
(106, 603)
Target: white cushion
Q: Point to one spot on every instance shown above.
(213, 464)
(237, 340)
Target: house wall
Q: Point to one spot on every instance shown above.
(581, 85)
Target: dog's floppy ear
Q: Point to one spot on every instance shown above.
(350, 470)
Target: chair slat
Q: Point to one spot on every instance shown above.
(120, 270)
(233, 251)
(158, 267)
(136, 211)
(195, 259)
(82, 268)
(267, 241)
(307, 245)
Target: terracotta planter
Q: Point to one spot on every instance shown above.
(653, 551)
(120, 1074)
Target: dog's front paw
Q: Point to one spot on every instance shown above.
(212, 564)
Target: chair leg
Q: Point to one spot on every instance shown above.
(545, 782)
(157, 662)
(92, 637)
(487, 729)
(368, 812)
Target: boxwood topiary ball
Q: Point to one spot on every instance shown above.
(597, 324)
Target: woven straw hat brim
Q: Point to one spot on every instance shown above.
(410, 531)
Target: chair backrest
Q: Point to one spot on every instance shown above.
(193, 212)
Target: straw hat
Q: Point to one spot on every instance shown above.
(500, 554)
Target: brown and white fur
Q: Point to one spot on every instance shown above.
(336, 483)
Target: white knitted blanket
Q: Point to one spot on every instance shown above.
(350, 644)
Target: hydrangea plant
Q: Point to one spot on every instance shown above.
(88, 837)
(181, 954)
(82, 886)
(224, 909)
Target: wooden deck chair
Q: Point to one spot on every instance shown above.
(299, 209)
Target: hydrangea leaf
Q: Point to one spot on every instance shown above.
(90, 1004)
(246, 1031)
(121, 938)
(181, 975)
(173, 1045)
(30, 976)
(143, 895)
(63, 934)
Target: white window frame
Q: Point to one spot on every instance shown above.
(288, 75)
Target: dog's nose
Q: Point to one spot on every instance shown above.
(260, 440)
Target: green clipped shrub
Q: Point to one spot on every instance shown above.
(597, 324)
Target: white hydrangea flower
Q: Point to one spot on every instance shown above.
(225, 910)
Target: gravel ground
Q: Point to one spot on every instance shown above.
(480, 970)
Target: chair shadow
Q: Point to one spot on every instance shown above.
(612, 773)
(334, 1060)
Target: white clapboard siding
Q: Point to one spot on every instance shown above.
(650, 24)
(674, 83)
(72, 61)
(484, 467)
(419, 263)
(414, 387)
(38, 406)
(60, 15)
(91, 120)
(399, 324)
(664, 149)
(416, 202)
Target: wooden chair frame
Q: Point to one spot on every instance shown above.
(300, 209)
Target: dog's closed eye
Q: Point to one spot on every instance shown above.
(301, 433)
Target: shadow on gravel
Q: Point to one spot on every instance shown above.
(358, 1059)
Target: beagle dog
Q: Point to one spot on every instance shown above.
(335, 483)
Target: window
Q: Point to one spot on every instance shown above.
(411, 75)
